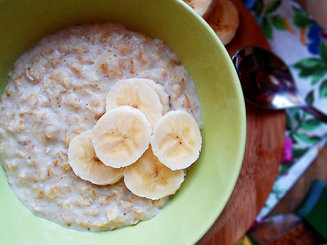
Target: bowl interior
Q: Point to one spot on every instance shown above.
(208, 186)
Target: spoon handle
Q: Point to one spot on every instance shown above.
(315, 112)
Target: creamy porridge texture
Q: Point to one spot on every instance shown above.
(56, 91)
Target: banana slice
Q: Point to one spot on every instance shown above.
(176, 140)
(161, 92)
(202, 7)
(224, 20)
(136, 93)
(121, 136)
(85, 164)
(151, 179)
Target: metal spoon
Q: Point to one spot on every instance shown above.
(267, 82)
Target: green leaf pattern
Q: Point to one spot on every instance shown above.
(266, 14)
(323, 51)
(310, 97)
(311, 124)
(314, 67)
(301, 19)
(272, 7)
(323, 90)
(278, 23)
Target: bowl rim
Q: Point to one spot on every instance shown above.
(239, 91)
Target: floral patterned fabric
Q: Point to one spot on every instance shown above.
(299, 41)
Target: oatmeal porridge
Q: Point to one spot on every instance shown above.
(56, 91)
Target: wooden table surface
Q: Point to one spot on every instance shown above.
(264, 145)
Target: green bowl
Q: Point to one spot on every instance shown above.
(208, 186)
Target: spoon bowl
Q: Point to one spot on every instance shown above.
(267, 82)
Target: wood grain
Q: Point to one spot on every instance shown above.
(264, 145)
